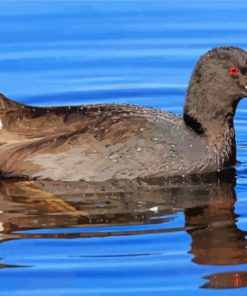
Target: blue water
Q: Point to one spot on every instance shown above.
(187, 240)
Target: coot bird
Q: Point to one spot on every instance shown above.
(102, 142)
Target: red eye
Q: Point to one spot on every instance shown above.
(233, 70)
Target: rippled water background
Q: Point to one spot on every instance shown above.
(115, 239)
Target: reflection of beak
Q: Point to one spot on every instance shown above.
(226, 280)
(237, 280)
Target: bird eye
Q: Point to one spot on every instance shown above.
(233, 70)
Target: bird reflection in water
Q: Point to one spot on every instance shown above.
(216, 239)
(207, 203)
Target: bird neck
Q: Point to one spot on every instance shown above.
(212, 118)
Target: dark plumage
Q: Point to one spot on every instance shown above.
(100, 142)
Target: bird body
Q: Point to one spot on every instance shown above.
(108, 141)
